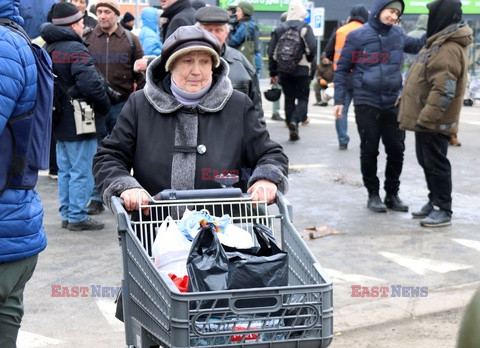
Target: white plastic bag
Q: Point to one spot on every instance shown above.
(170, 248)
(235, 237)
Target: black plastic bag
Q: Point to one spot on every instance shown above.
(212, 266)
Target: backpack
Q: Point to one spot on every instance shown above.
(289, 50)
(250, 47)
(29, 133)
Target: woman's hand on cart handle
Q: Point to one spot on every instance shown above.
(270, 191)
(131, 198)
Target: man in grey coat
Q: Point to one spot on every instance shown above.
(242, 74)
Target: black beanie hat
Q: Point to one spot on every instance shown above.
(127, 17)
(64, 14)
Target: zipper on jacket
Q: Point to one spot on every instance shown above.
(106, 60)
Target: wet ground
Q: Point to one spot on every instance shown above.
(367, 249)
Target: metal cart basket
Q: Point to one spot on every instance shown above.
(157, 313)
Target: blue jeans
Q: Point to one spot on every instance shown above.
(112, 116)
(75, 179)
(342, 124)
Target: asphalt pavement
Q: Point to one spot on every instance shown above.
(428, 275)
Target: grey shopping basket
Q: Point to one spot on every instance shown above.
(156, 313)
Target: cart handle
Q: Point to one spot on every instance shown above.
(250, 304)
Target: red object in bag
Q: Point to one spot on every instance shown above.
(181, 283)
(248, 336)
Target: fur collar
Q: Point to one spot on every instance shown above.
(164, 102)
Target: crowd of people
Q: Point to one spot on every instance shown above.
(187, 89)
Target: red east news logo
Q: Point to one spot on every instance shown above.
(383, 291)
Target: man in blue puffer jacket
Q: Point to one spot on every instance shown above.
(375, 53)
(150, 34)
(22, 236)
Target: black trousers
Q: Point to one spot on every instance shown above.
(374, 124)
(296, 90)
(431, 151)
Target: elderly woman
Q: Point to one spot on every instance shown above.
(186, 124)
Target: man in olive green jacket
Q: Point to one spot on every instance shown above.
(431, 102)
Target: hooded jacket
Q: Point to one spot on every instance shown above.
(433, 93)
(178, 14)
(75, 71)
(420, 27)
(21, 212)
(375, 53)
(224, 121)
(295, 19)
(149, 34)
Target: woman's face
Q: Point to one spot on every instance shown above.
(239, 13)
(193, 71)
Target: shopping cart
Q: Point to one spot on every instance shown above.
(157, 313)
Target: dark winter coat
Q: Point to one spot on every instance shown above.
(178, 14)
(243, 76)
(115, 53)
(324, 71)
(146, 131)
(433, 93)
(309, 47)
(375, 53)
(73, 66)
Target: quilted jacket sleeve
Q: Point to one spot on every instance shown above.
(18, 76)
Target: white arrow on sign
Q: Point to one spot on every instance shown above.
(422, 265)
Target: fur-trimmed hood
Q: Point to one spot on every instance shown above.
(164, 102)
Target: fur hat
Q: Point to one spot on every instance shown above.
(111, 4)
(187, 39)
(64, 14)
(396, 5)
(247, 8)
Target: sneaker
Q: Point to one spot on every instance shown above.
(95, 207)
(437, 218)
(292, 126)
(343, 146)
(277, 117)
(323, 104)
(423, 212)
(375, 203)
(87, 224)
(392, 201)
(53, 175)
(64, 223)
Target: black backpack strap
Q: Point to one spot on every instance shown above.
(131, 42)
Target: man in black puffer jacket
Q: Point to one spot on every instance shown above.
(373, 53)
(76, 78)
